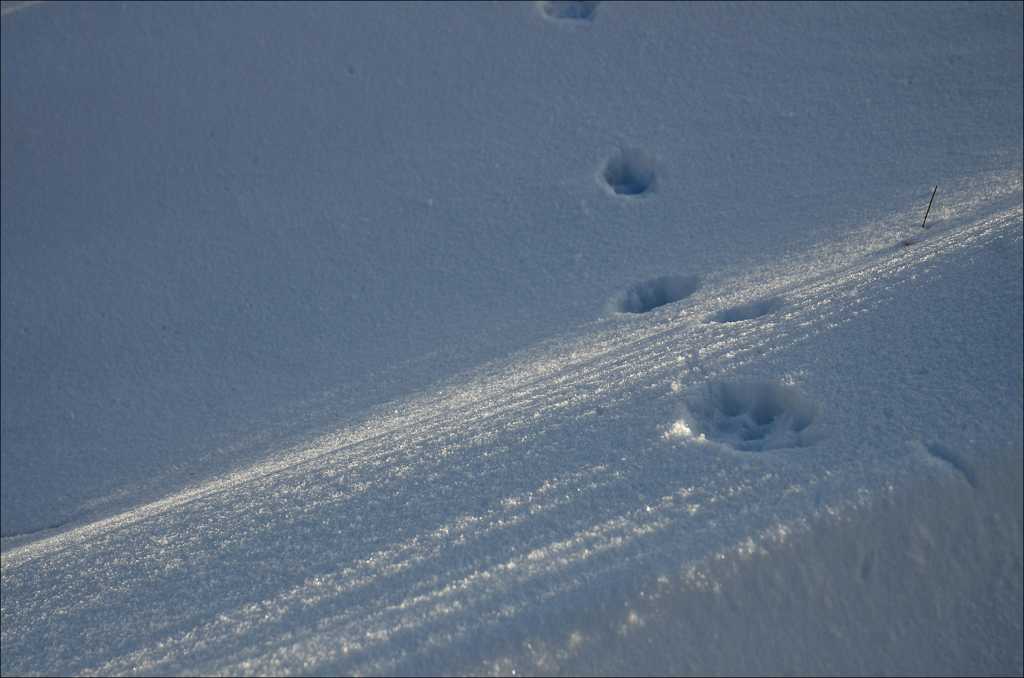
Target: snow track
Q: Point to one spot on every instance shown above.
(580, 475)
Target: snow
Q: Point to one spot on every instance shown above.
(512, 338)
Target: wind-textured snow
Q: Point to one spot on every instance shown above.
(512, 338)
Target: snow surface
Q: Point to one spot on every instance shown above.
(512, 338)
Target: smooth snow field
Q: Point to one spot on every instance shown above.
(512, 338)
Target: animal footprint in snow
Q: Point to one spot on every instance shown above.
(630, 172)
(569, 11)
(654, 293)
(750, 417)
(754, 309)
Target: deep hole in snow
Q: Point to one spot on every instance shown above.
(650, 294)
(631, 172)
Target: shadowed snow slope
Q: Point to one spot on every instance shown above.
(480, 338)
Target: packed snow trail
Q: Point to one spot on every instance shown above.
(449, 530)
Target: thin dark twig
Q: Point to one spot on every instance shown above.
(929, 207)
